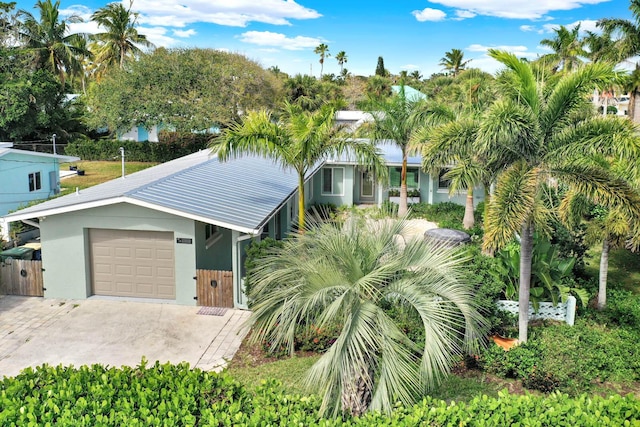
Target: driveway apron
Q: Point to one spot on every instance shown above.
(34, 331)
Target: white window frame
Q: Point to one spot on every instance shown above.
(37, 181)
(332, 168)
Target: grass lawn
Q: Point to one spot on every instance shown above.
(97, 173)
(250, 368)
(624, 268)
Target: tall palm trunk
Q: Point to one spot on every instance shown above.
(403, 208)
(526, 254)
(356, 392)
(301, 202)
(604, 270)
(468, 221)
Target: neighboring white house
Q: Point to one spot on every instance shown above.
(26, 176)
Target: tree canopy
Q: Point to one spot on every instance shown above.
(187, 89)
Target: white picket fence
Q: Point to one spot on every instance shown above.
(563, 312)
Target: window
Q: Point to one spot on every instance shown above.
(211, 234)
(443, 183)
(333, 181)
(413, 177)
(35, 182)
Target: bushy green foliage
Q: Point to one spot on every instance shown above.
(256, 250)
(171, 146)
(623, 309)
(446, 215)
(167, 395)
(569, 358)
(488, 288)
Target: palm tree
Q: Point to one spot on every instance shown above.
(345, 275)
(453, 61)
(299, 140)
(542, 135)
(48, 37)
(627, 45)
(567, 48)
(120, 40)
(394, 120)
(609, 226)
(304, 90)
(453, 143)
(341, 57)
(415, 74)
(322, 50)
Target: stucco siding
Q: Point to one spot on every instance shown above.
(345, 198)
(65, 250)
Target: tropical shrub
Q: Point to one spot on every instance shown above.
(167, 395)
(551, 275)
(569, 358)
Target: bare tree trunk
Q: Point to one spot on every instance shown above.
(526, 253)
(403, 208)
(468, 221)
(604, 270)
(356, 393)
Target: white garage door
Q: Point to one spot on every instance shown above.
(127, 263)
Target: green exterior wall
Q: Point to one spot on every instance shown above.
(65, 248)
(217, 256)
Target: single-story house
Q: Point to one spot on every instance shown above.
(342, 181)
(145, 235)
(26, 176)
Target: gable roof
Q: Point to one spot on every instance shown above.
(241, 194)
(410, 93)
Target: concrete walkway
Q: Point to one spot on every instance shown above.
(34, 331)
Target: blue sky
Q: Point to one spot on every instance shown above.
(408, 34)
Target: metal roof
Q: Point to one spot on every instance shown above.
(6, 148)
(241, 194)
(390, 152)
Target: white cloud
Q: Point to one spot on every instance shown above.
(184, 33)
(235, 13)
(464, 14)
(158, 36)
(268, 38)
(527, 28)
(429, 14)
(518, 50)
(410, 67)
(515, 9)
(76, 10)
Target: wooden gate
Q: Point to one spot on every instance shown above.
(21, 277)
(214, 288)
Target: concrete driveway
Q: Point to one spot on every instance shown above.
(34, 331)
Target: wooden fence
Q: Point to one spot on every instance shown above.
(214, 288)
(21, 277)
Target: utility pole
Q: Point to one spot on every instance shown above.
(54, 143)
(122, 156)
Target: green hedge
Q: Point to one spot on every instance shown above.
(171, 146)
(169, 395)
